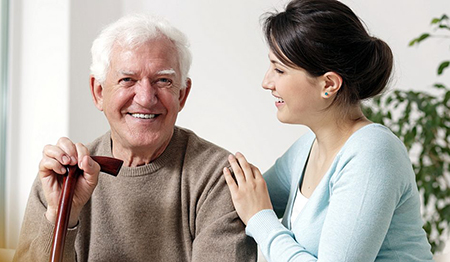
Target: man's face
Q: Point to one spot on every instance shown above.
(141, 96)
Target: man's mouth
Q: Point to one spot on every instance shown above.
(144, 116)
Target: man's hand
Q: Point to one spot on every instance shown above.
(51, 169)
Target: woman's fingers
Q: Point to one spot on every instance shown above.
(238, 173)
(249, 192)
(246, 167)
(242, 169)
(229, 179)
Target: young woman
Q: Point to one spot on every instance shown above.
(346, 190)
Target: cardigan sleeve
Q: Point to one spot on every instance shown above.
(365, 185)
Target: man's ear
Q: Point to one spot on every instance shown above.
(97, 92)
(184, 93)
(333, 82)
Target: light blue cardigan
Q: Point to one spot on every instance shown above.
(366, 207)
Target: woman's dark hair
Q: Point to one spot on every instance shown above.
(325, 35)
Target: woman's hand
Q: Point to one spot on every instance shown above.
(249, 190)
(51, 171)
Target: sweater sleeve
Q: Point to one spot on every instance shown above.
(365, 186)
(220, 234)
(277, 243)
(36, 234)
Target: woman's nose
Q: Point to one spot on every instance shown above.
(267, 82)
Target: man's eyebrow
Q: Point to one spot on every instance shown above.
(127, 73)
(162, 72)
(167, 72)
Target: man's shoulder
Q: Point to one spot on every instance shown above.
(197, 145)
(201, 155)
(100, 145)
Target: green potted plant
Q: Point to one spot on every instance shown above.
(422, 121)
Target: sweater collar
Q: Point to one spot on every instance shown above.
(152, 167)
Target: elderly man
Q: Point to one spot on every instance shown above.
(169, 201)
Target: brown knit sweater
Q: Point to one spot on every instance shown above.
(177, 208)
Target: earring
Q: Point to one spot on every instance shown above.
(326, 93)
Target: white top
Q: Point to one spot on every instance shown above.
(299, 203)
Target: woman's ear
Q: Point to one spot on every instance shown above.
(97, 92)
(333, 83)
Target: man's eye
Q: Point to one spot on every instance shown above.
(163, 82)
(126, 80)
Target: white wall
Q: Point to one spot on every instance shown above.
(50, 41)
(38, 96)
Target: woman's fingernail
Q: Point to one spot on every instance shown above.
(65, 159)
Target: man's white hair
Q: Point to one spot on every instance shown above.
(132, 31)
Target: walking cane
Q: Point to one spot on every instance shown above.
(108, 165)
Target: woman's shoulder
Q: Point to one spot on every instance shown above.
(375, 151)
(375, 139)
(304, 142)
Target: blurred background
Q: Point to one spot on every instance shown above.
(45, 76)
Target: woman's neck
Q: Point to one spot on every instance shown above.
(332, 132)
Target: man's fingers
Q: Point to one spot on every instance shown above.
(47, 164)
(69, 148)
(81, 152)
(55, 152)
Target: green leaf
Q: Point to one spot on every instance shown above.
(435, 21)
(442, 66)
(419, 39)
(440, 86)
(438, 20)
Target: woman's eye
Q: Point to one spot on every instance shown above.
(278, 71)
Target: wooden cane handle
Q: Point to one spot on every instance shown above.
(108, 165)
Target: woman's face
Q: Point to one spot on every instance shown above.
(297, 94)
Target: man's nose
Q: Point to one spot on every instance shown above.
(146, 95)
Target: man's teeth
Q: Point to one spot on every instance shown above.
(144, 116)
